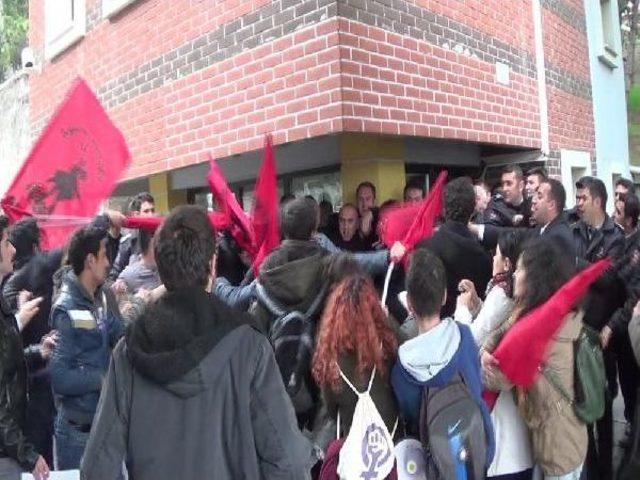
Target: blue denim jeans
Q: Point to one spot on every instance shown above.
(9, 469)
(70, 443)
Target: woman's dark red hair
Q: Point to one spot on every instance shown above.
(353, 322)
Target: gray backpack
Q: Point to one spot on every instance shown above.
(292, 337)
(452, 433)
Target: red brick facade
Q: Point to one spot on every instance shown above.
(183, 79)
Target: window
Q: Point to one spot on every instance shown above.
(573, 166)
(322, 186)
(65, 24)
(246, 195)
(608, 48)
(112, 7)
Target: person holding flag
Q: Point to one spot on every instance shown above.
(536, 353)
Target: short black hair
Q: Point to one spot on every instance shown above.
(184, 247)
(514, 169)
(541, 172)
(626, 183)
(459, 200)
(414, 183)
(299, 219)
(632, 209)
(136, 202)
(366, 184)
(326, 204)
(596, 188)
(286, 198)
(4, 224)
(557, 193)
(25, 237)
(84, 242)
(426, 282)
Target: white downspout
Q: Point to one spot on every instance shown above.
(542, 77)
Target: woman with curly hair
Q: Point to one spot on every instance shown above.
(354, 337)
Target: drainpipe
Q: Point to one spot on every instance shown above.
(542, 77)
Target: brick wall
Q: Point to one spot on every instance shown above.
(183, 79)
(571, 123)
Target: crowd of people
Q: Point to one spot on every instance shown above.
(163, 355)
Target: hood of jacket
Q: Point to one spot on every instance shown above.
(426, 356)
(173, 341)
(293, 273)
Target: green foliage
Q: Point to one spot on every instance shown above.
(633, 100)
(13, 34)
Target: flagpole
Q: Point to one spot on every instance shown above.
(387, 279)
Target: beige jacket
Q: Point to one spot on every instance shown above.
(559, 438)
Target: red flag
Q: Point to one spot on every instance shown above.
(264, 214)
(73, 166)
(522, 349)
(149, 224)
(422, 226)
(396, 221)
(239, 224)
(410, 223)
(219, 221)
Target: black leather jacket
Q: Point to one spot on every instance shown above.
(503, 214)
(607, 294)
(13, 393)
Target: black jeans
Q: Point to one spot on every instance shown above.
(41, 412)
(628, 374)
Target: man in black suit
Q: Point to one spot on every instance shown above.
(547, 206)
(462, 255)
(596, 237)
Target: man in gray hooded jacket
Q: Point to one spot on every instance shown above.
(193, 391)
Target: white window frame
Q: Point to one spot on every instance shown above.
(608, 54)
(617, 171)
(113, 7)
(73, 31)
(570, 160)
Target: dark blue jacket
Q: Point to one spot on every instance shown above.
(465, 360)
(88, 330)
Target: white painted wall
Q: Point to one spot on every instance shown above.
(609, 101)
(15, 131)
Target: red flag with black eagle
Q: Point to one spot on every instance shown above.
(72, 168)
